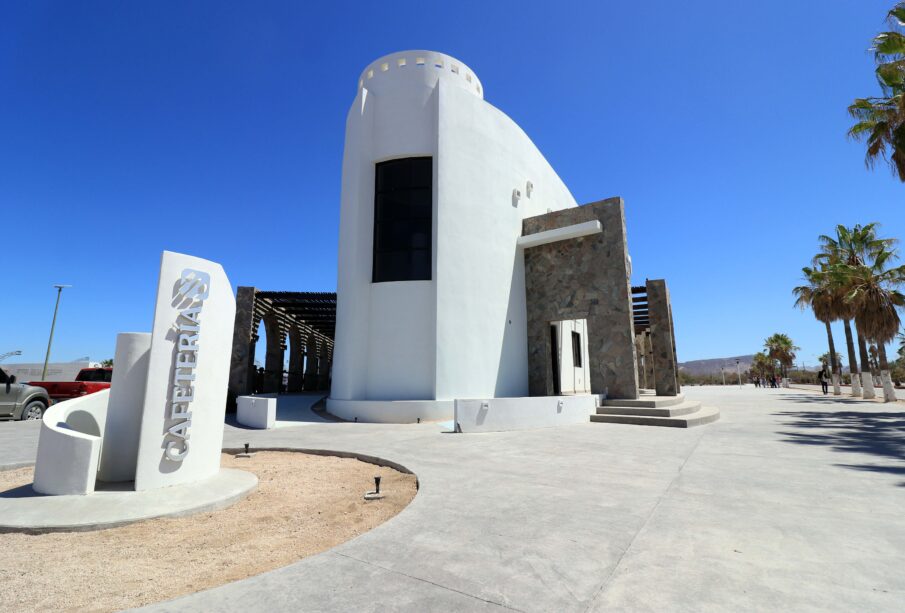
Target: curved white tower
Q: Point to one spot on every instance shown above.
(431, 289)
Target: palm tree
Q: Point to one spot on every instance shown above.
(872, 290)
(761, 364)
(822, 298)
(781, 348)
(852, 246)
(824, 358)
(881, 120)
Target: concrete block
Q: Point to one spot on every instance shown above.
(257, 411)
(502, 414)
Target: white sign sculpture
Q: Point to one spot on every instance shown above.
(162, 422)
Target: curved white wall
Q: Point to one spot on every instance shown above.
(69, 446)
(462, 334)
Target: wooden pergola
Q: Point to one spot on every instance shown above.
(304, 323)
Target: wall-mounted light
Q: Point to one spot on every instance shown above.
(529, 188)
(516, 194)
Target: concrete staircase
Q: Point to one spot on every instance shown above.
(651, 410)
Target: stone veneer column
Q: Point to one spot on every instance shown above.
(672, 334)
(582, 278)
(323, 368)
(648, 360)
(639, 359)
(273, 363)
(311, 363)
(244, 337)
(665, 372)
(296, 361)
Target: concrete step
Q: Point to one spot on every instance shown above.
(676, 410)
(648, 401)
(705, 415)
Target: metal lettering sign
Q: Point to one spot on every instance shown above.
(194, 288)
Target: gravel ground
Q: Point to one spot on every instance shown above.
(304, 504)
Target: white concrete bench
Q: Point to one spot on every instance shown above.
(257, 411)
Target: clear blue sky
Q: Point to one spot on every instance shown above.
(216, 129)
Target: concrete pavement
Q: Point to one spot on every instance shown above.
(791, 501)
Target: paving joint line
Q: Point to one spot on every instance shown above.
(444, 587)
(647, 519)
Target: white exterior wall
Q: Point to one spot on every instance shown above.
(484, 156)
(464, 333)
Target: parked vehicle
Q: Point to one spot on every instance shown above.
(20, 400)
(88, 381)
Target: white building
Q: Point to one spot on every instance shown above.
(434, 309)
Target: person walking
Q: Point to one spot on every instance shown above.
(824, 379)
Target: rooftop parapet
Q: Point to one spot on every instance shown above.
(425, 67)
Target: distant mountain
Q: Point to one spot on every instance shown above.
(712, 366)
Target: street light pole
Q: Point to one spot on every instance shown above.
(723, 372)
(738, 369)
(52, 326)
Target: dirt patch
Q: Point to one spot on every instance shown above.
(304, 504)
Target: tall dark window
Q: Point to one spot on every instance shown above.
(403, 228)
(576, 350)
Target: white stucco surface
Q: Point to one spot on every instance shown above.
(502, 414)
(124, 411)
(159, 428)
(462, 334)
(391, 411)
(256, 411)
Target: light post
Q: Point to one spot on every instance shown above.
(738, 369)
(3, 356)
(52, 326)
(723, 372)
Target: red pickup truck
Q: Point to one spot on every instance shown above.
(88, 381)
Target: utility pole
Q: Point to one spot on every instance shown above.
(52, 326)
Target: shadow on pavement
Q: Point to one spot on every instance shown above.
(876, 433)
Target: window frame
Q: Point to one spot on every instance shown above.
(381, 220)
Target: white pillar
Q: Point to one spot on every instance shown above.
(867, 381)
(856, 385)
(127, 393)
(889, 392)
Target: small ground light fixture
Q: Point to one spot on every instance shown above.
(375, 495)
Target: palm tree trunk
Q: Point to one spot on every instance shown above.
(852, 359)
(889, 392)
(867, 379)
(834, 363)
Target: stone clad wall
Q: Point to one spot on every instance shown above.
(241, 367)
(583, 278)
(662, 339)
